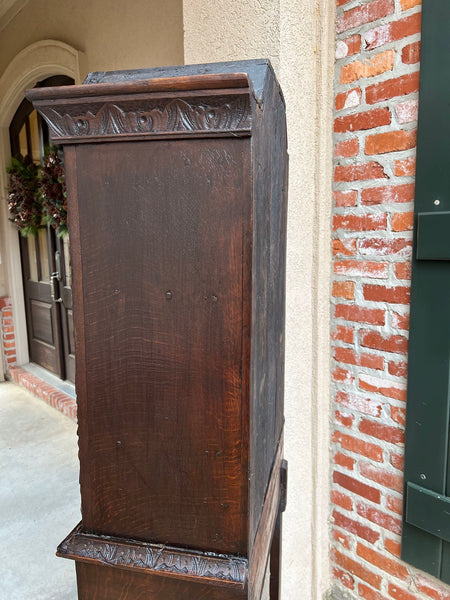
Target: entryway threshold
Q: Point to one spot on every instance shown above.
(43, 384)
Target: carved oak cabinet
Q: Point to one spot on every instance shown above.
(176, 183)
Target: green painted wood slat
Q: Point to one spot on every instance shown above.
(427, 422)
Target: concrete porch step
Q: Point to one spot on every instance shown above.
(39, 497)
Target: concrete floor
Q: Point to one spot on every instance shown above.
(39, 497)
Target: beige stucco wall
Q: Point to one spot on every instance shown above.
(111, 34)
(297, 35)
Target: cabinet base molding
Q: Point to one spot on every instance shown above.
(157, 559)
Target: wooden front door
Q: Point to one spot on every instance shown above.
(46, 269)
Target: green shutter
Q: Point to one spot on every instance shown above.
(426, 526)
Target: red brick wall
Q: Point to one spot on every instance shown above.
(7, 334)
(377, 80)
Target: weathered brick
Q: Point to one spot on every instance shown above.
(345, 198)
(348, 47)
(399, 368)
(395, 504)
(363, 121)
(359, 403)
(430, 588)
(389, 194)
(343, 334)
(370, 67)
(385, 478)
(411, 53)
(393, 567)
(349, 99)
(344, 247)
(403, 270)
(360, 222)
(349, 356)
(402, 221)
(384, 387)
(342, 375)
(405, 167)
(392, 88)
(399, 594)
(387, 433)
(346, 148)
(390, 343)
(371, 247)
(393, 31)
(381, 293)
(391, 141)
(341, 500)
(397, 461)
(407, 4)
(407, 112)
(358, 446)
(352, 312)
(360, 15)
(359, 172)
(362, 531)
(379, 518)
(347, 462)
(356, 568)
(372, 270)
(392, 546)
(400, 321)
(343, 289)
(345, 578)
(398, 415)
(357, 487)
(341, 538)
(368, 593)
(344, 419)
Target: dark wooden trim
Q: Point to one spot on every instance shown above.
(116, 117)
(165, 84)
(154, 559)
(266, 527)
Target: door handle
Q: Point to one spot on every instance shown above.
(54, 287)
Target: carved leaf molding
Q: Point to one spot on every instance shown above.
(175, 115)
(154, 558)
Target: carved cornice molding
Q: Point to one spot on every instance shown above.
(155, 559)
(77, 122)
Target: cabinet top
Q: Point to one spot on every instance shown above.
(216, 99)
(256, 71)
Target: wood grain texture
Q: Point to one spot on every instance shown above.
(270, 185)
(165, 459)
(271, 509)
(108, 583)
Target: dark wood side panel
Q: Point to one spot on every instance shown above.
(270, 169)
(108, 583)
(165, 459)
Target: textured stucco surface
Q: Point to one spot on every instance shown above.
(112, 35)
(297, 36)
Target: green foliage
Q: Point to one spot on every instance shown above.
(24, 203)
(37, 195)
(52, 190)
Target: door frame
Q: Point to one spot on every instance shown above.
(36, 62)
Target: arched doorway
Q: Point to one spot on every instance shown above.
(45, 260)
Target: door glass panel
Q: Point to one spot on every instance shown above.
(43, 255)
(23, 140)
(34, 133)
(31, 240)
(67, 264)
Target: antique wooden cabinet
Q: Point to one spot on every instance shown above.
(177, 182)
